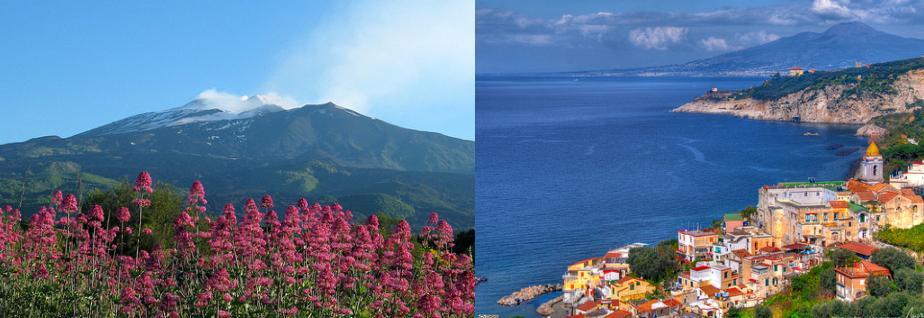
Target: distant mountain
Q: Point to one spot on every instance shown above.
(841, 46)
(321, 151)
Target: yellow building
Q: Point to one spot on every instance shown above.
(631, 288)
(583, 275)
(796, 71)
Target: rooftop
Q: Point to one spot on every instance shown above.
(859, 248)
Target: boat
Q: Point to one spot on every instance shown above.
(810, 133)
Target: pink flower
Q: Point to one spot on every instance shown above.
(124, 215)
(143, 183)
(196, 193)
(57, 198)
(69, 204)
(267, 201)
(147, 231)
(142, 202)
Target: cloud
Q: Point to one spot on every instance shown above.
(397, 60)
(240, 103)
(714, 44)
(758, 37)
(657, 38)
(831, 8)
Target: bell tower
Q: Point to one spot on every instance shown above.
(871, 166)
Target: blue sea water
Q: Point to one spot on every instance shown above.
(569, 169)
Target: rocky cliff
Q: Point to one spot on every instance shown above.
(843, 98)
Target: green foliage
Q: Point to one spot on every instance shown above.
(875, 80)
(896, 304)
(377, 203)
(764, 312)
(654, 263)
(716, 224)
(465, 242)
(166, 204)
(842, 257)
(747, 212)
(909, 280)
(912, 238)
(892, 258)
(879, 286)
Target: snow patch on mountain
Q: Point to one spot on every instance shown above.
(237, 104)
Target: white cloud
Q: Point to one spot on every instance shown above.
(658, 37)
(831, 8)
(714, 44)
(240, 103)
(757, 38)
(402, 61)
(531, 39)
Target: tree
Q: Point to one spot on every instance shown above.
(832, 308)
(892, 258)
(764, 312)
(842, 257)
(653, 263)
(909, 280)
(879, 286)
(165, 207)
(747, 212)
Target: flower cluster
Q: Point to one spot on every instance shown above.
(312, 260)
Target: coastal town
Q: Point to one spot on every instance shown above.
(749, 257)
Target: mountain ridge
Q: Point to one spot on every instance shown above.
(323, 151)
(840, 46)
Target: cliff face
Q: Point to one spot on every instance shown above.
(827, 104)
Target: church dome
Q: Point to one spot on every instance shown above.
(872, 150)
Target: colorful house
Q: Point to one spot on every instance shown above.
(796, 71)
(696, 245)
(631, 288)
(852, 280)
(731, 222)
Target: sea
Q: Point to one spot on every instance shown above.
(570, 168)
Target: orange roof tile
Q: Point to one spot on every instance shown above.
(909, 193)
(734, 291)
(671, 302)
(626, 279)
(839, 204)
(709, 290)
(646, 306)
(587, 306)
(866, 196)
(741, 253)
(619, 314)
(855, 186)
(859, 248)
(577, 316)
(887, 196)
(880, 187)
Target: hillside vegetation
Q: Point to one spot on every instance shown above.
(876, 79)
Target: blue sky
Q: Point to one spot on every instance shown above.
(540, 36)
(68, 67)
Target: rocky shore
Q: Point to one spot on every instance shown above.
(825, 104)
(548, 308)
(527, 294)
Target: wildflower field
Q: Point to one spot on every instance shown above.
(311, 260)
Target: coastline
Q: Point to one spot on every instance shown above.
(555, 306)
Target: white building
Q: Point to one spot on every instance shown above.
(913, 178)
